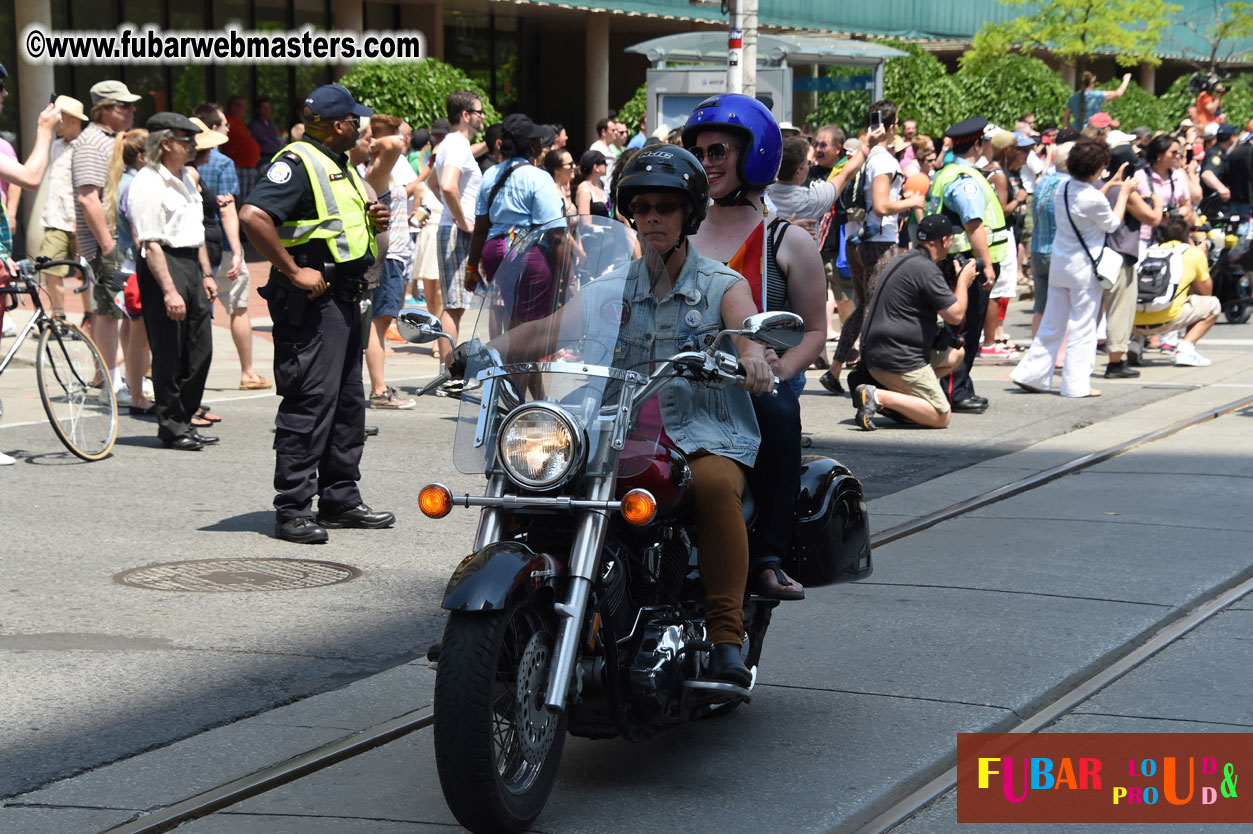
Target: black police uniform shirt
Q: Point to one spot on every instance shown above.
(1238, 175)
(898, 334)
(285, 192)
(1214, 162)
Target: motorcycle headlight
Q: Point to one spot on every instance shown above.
(541, 446)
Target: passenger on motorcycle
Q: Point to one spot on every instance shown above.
(664, 193)
(739, 144)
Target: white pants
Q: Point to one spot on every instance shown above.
(1072, 312)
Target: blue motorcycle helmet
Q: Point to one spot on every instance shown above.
(761, 142)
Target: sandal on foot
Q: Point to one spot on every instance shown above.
(204, 414)
(772, 582)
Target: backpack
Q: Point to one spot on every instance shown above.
(1157, 277)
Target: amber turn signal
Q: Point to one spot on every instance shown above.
(639, 507)
(435, 501)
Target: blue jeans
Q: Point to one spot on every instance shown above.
(776, 476)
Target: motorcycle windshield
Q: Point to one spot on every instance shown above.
(555, 327)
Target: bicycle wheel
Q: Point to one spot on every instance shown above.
(67, 368)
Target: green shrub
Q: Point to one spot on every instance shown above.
(1139, 107)
(417, 93)
(629, 113)
(1004, 88)
(922, 89)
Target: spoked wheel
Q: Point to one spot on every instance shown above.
(76, 392)
(1240, 311)
(497, 747)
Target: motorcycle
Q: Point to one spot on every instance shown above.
(1230, 266)
(579, 609)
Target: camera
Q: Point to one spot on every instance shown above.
(1206, 82)
(961, 259)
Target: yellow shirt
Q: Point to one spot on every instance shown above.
(1195, 268)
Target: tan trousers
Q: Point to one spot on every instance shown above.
(721, 542)
(1120, 310)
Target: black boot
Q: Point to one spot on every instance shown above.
(727, 666)
(1121, 370)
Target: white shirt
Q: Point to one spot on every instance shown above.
(166, 209)
(881, 163)
(59, 203)
(1094, 217)
(455, 151)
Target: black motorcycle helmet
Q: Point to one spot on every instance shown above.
(665, 168)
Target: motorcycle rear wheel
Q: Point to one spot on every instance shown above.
(497, 749)
(1239, 313)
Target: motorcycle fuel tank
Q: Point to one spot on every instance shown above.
(657, 466)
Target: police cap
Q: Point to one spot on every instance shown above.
(171, 121)
(333, 101)
(965, 132)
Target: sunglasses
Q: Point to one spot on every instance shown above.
(189, 140)
(475, 112)
(821, 145)
(664, 208)
(716, 153)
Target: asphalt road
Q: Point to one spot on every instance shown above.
(105, 671)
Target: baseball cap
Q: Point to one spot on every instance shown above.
(111, 91)
(440, 127)
(1102, 120)
(851, 145)
(934, 227)
(333, 101)
(1025, 140)
(173, 121)
(989, 131)
(1118, 137)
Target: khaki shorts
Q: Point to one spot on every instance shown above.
(232, 294)
(58, 246)
(841, 287)
(108, 270)
(920, 382)
(1196, 308)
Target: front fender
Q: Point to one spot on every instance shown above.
(498, 574)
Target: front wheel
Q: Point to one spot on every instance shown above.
(76, 391)
(497, 747)
(1239, 313)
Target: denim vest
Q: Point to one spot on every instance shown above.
(697, 417)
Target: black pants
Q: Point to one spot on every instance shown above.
(957, 385)
(320, 426)
(181, 350)
(775, 477)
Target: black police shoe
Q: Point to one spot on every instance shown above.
(184, 443)
(301, 530)
(971, 405)
(726, 665)
(359, 516)
(1120, 370)
(202, 439)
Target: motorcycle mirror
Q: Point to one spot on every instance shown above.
(777, 330)
(419, 327)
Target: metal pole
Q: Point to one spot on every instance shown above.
(748, 20)
(735, 50)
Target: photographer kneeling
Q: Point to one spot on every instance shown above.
(899, 340)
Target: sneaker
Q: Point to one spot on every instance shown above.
(1169, 342)
(391, 398)
(123, 396)
(1135, 350)
(6, 460)
(1187, 356)
(1120, 370)
(10, 329)
(452, 388)
(998, 352)
(149, 394)
(866, 398)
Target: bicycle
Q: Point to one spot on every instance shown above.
(74, 383)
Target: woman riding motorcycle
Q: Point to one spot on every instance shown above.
(739, 144)
(664, 193)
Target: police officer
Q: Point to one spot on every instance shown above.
(962, 193)
(311, 217)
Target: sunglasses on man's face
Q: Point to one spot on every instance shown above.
(643, 208)
(715, 153)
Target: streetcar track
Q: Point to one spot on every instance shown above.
(880, 816)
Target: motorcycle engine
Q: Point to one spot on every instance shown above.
(662, 665)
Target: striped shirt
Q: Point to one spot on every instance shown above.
(1042, 213)
(92, 151)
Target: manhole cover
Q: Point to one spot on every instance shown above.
(217, 575)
